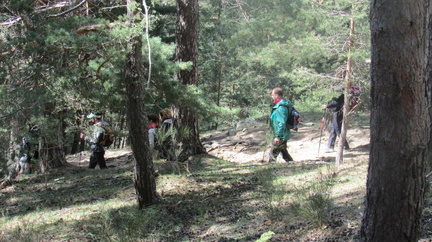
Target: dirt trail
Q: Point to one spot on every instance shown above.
(248, 143)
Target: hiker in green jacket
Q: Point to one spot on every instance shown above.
(281, 134)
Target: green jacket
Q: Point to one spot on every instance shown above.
(278, 118)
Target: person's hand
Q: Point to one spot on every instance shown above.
(276, 141)
(82, 136)
(324, 106)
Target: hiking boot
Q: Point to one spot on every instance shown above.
(329, 150)
(289, 160)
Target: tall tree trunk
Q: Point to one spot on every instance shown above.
(399, 124)
(144, 179)
(187, 51)
(429, 77)
(346, 107)
(12, 154)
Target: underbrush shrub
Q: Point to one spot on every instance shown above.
(274, 194)
(174, 136)
(314, 201)
(130, 224)
(25, 232)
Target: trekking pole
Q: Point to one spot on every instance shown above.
(322, 128)
(80, 129)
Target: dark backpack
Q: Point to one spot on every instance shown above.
(108, 137)
(293, 117)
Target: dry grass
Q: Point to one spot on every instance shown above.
(218, 200)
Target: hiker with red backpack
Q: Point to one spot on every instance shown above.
(97, 149)
(281, 133)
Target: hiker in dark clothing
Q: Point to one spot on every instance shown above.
(278, 118)
(166, 125)
(98, 151)
(29, 150)
(336, 105)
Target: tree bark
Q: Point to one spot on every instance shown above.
(187, 51)
(399, 125)
(429, 77)
(144, 178)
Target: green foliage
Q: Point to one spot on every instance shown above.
(267, 236)
(169, 142)
(60, 74)
(301, 46)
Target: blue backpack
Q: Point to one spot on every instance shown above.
(293, 118)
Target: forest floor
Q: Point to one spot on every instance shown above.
(230, 194)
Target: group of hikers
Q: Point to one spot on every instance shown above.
(281, 134)
(161, 124)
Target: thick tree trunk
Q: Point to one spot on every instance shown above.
(191, 145)
(144, 178)
(429, 78)
(187, 51)
(429, 87)
(399, 123)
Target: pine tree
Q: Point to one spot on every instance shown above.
(187, 51)
(144, 178)
(398, 141)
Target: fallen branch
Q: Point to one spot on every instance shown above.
(93, 28)
(68, 11)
